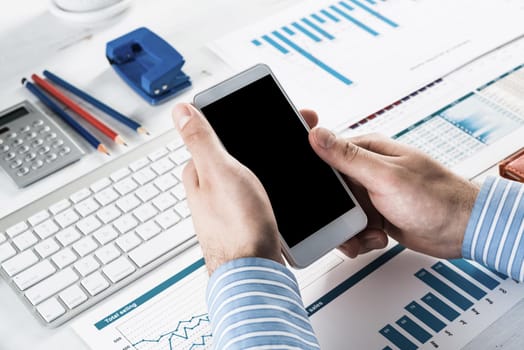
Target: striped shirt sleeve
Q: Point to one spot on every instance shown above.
(256, 303)
(494, 233)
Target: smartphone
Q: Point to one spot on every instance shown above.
(259, 126)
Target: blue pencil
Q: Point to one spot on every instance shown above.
(66, 117)
(97, 103)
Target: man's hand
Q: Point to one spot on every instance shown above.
(231, 212)
(405, 193)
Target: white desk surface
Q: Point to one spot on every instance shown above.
(78, 54)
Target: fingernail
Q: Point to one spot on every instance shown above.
(324, 137)
(182, 115)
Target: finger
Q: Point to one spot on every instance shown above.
(366, 241)
(199, 137)
(190, 177)
(381, 144)
(310, 117)
(356, 162)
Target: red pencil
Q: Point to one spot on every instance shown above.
(78, 110)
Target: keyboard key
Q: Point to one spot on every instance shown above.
(154, 156)
(128, 203)
(16, 229)
(46, 229)
(148, 230)
(25, 240)
(50, 310)
(100, 184)
(144, 176)
(47, 247)
(162, 243)
(86, 265)
(175, 144)
(138, 164)
(39, 217)
(19, 262)
(85, 246)
(64, 258)
(87, 207)
(119, 269)
(167, 219)
(164, 201)
(95, 283)
(6, 251)
(120, 174)
(60, 206)
(73, 296)
(165, 182)
(105, 234)
(80, 195)
(88, 225)
(145, 212)
(51, 286)
(180, 156)
(178, 172)
(162, 166)
(68, 236)
(182, 209)
(67, 218)
(128, 241)
(125, 186)
(125, 223)
(106, 196)
(179, 191)
(3, 238)
(109, 213)
(147, 192)
(107, 253)
(34, 275)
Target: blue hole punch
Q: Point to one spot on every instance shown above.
(148, 64)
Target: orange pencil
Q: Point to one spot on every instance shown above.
(78, 110)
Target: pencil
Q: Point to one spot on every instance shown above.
(97, 103)
(66, 117)
(50, 89)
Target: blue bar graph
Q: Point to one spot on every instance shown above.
(500, 275)
(425, 316)
(441, 287)
(256, 42)
(414, 329)
(346, 6)
(397, 338)
(459, 281)
(480, 276)
(372, 2)
(439, 306)
(318, 18)
(312, 58)
(330, 15)
(318, 29)
(275, 44)
(306, 32)
(288, 31)
(374, 13)
(354, 21)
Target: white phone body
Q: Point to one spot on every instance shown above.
(333, 233)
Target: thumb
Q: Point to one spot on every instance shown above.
(200, 139)
(355, 162)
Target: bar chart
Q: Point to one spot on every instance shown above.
(349, 58)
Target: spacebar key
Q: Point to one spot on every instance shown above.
(163, 243)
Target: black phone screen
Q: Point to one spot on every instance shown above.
(258, 127)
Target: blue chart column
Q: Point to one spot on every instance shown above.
(480, 276)
(425, 316)
(414, 329)
(444, 289)
(459, 281)
(397, 338)
(440, 306)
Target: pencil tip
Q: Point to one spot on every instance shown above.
(125, 144)
(23, 81)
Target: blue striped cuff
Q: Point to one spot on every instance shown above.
(255, 302)
(494, 233)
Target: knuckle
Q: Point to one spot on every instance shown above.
(349, 151)
(194, 133)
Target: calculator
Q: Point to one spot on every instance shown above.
(32, 145)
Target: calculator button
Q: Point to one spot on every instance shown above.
(12, 135)
(22, 171)
(23, 149)
(44, 150)
(10, 156)
(37, 143)
(16, 164)
(50, 157)
(38, 122)
(57, 143)
(50, 136)
(31, 135)
(25, 128)
(37, 164)
(44, 129)
(65, 150)
(4, 148)
(29, 157)
(18, 142)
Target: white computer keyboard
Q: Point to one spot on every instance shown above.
(81, 243)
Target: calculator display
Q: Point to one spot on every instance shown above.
(15, 114)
